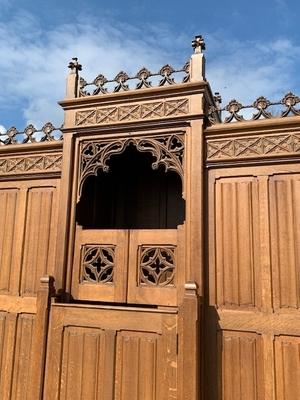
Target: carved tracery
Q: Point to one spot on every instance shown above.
(157, 266)
(167, 151)
(98, 263)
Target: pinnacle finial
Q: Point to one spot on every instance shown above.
(74, 66)
(217, 98)
(198, 44)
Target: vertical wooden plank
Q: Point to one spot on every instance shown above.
(40, 331)
(237, 274)
(188, 346)
(8, 356)
(23, 346)
(268, 367)
(285, 221)
(137, 366)
(40, 237)
(8, 210)
(54, 355)
(241, 366)
(287, 368)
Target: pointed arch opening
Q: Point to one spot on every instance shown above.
(131, 195)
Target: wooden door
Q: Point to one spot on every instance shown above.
(100, 265)
(155, 267)
(143, 266)
(105, 353)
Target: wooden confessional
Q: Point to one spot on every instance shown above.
(152, 251)
(131, 192)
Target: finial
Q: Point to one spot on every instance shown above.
(74, 66)
(217, 98)
(198, 44)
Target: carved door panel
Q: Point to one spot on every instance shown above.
(111, 354)
(100, 265)
(155, 266)
(136, 266)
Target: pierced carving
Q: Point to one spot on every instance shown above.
(100, 81)
(40, 163)
(138, 81)
(143, 76)
(167, 151)
(98, 264)
(233, 108)
(261, 104)
(253, 147)
(166, 71)
(30, 135)
(157, 266)
(290, 100)
(140, 111)
(121, 78)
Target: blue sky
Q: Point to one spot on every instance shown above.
(253, 47)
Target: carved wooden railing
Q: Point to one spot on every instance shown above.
(31, 134)
(263, 109)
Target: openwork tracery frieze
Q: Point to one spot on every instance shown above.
(167, 151)
(157, 266)
(254, 146)
(132, 112)
(98, 263)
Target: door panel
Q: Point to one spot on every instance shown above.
(155, 265)
(142, 266)
(107, 353)
(100, 265)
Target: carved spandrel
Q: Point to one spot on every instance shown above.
(167, 151)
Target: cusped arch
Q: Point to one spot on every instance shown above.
(167, 151)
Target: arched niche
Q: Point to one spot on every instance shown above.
(130, 194)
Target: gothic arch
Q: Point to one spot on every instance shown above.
(167, 151)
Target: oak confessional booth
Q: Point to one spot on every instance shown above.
(150, 250)
(129, 326)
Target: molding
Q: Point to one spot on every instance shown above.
(132, 112)
(253, 147)
(45, 163)
(155, 93)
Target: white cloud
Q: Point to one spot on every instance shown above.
(33, 61)
(247, 70)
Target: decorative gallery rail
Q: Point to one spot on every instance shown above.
(265, 109)
(122, 82)
(31, 134)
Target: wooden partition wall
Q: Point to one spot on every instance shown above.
(252, 318)
(197, 302)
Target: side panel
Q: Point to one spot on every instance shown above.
(111, 354)
(40, 234)
(252, 328)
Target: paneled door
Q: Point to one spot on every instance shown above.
(106, 353)
(142, 266)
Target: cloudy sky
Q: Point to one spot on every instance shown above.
(252, 47)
